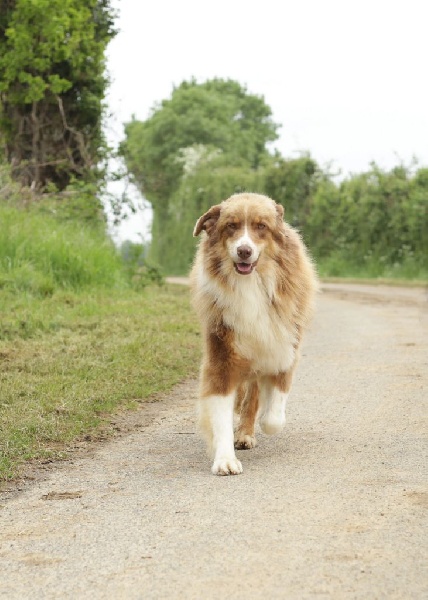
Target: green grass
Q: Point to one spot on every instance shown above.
(80, 335)
(70, 360)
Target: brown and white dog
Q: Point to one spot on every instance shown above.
(253, 286)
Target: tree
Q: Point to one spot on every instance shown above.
(203, 133)
(218, 115)
(52, 85)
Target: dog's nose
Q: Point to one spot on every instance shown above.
(244, 252)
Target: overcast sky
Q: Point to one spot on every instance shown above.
(347, 79)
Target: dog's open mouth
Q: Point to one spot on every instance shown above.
(244, 268)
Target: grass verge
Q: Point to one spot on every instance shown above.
(409, 270)
(69, 361)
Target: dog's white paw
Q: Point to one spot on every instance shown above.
(226, 466)
(244, 441)
(272, 422)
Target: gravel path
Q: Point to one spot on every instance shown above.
(334, 507)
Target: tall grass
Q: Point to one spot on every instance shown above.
(39, 254)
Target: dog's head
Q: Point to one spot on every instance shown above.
(245, 225)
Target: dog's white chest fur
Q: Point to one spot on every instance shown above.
(260, 335)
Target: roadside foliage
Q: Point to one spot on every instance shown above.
(211, 140)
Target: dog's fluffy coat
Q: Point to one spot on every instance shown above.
(253, 286)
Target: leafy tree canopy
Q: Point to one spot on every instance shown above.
(52, 85)
(217, 119)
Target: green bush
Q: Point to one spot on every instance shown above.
(374, 223)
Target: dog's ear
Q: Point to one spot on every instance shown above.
(279, 210)
(207, 221)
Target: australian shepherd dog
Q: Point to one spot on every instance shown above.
(253, 286)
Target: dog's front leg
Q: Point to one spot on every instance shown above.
(216, 420)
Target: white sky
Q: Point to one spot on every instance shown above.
(347, 79)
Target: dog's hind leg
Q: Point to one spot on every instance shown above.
(240, 397)
(274, 391)
(249, 403)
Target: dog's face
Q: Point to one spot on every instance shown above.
(245, 226)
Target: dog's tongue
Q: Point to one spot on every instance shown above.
(244, 267)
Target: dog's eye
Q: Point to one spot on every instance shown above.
(261, 226)
(232, 226)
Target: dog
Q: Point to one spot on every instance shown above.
(253, 286)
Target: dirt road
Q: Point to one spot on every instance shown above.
(334, 507)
